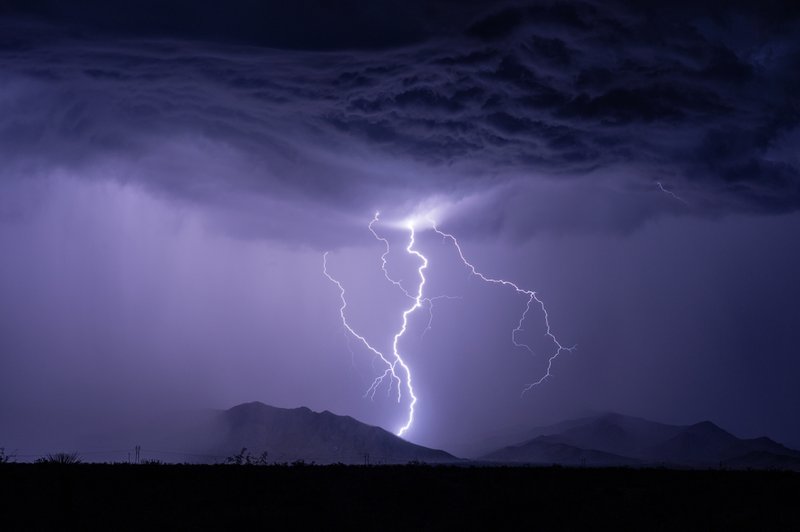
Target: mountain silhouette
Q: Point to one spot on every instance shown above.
(546, 450)
(289, 435)
(618, 440)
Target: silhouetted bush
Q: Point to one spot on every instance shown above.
(60, 458)
(245, 458)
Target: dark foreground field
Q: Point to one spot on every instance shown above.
(115, 497)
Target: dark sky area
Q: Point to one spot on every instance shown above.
(172, 173)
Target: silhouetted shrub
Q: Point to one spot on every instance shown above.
(245, 458)
(60, 458)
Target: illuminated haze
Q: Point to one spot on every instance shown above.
(167, 192)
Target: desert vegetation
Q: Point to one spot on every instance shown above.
(61, 458)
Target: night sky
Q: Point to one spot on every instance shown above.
(171, 174)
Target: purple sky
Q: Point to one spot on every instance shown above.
(169, 185)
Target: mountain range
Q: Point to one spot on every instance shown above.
(618, 440)
(606, 440)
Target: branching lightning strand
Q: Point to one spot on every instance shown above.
(671, 193)
(389, 372)
(395, 282)
(418, 301)
(531, 296)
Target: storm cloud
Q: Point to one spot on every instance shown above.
(610, 99)
(173, 171)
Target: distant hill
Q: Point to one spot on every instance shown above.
(294, 434)
(618, 440)
(545, 450)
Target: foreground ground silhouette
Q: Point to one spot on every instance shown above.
(122, 497)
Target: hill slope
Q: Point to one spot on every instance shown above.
(322, 437)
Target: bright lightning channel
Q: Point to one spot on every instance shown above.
(417, 302)
(398, 282)
(531, 297)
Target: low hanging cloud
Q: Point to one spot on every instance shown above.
(517, 108)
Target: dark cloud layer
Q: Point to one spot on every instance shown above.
(301, 24)
(701, 98)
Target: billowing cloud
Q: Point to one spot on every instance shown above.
(520, 98)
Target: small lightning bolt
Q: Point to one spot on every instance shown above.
(531, 297)
(671, 193)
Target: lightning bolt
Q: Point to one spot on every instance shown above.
(671, 193)
(417, 304)
(398, 282)
(394, 365)
(531, 296)
(391, 364)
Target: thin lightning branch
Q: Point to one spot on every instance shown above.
(559, 347)
(429, 301)
(389, 372)
(531, 296)
(385, 253)
(671, 193)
